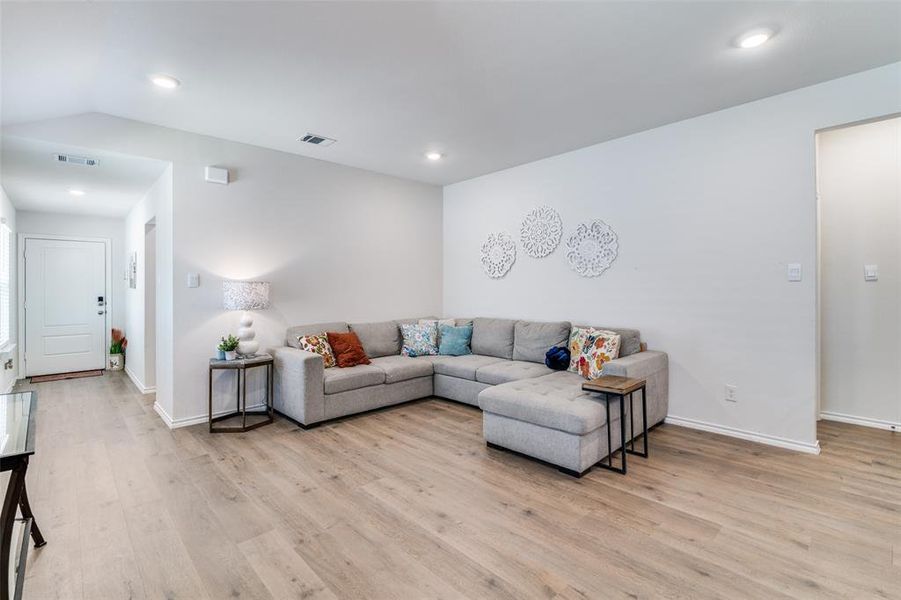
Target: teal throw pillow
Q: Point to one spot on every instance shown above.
(455, 340)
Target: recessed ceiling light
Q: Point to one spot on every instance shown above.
(75, 192)
(433, 155)
(755, 38)
(165, 81)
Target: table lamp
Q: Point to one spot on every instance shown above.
(246, 296)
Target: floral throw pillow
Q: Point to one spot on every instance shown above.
(419, 340)
(318, 344)
(590, 348)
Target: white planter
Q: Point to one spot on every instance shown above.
(116, 362)
(231, 354)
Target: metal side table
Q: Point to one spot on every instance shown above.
(241, 366)
(615, 387)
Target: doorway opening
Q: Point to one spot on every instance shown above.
(859, 273)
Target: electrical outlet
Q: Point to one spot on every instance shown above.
(731, 393)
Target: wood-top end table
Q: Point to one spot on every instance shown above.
(241, 365)
(620, 387)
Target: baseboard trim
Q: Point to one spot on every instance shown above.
(189, 421)
(751, 436)
(163, 415)
(863, 421)
(138, 384)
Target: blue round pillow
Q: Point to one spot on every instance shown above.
(557, 358)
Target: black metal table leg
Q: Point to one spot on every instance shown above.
(25, 507)
(644, 426)
(7, 518)
(609, 441)
(622, 426)
(211, 401)
(242, 375)
(622, 431)
(631, 425)
(644, 420)
(270, 392)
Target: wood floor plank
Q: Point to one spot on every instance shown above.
(408, 502)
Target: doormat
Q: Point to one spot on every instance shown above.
(61, 376)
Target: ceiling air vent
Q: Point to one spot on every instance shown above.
(316, 139)
(77, 160)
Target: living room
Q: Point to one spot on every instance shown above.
(650, 175)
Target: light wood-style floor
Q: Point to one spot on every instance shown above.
(408, 503)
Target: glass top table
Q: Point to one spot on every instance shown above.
(17, 437)
(17, 424)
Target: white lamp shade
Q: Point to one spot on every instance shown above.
(245, 295)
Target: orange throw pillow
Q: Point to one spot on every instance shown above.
(347, 348)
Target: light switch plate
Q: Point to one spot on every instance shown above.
(793, 271)
(193, 280)
(871, 272)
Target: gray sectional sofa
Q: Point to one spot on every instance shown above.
(527, 407)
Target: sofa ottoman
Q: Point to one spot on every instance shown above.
(550, 418)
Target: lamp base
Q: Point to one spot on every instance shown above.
(247, 346)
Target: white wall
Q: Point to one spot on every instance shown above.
(8, 376)
(708, 211)
(859, 180)
(336, 242)
(160, 195)
(83, 226)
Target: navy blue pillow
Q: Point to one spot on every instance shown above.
(557, 358)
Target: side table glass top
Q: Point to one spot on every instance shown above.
(16, 424)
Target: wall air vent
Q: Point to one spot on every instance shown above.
(77, 160)
(316, 139)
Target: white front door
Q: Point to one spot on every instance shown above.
(65, 306)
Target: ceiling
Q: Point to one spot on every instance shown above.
(489, 85)
(35, 180)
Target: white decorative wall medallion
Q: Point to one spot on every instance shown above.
(591, 248)
(541, 231)
(498, 254)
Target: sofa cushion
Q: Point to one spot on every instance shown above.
(590, 349)
(419, 339)
(298, 330)
(379, 339)
(555, 401)
(532, 339)
(455, 341)
(438, 323)
(510, 370)
(347, 349)
(493, 337)
(317, 343)
(630, 339)
(401, 368)
(352, 378)
(464, 367)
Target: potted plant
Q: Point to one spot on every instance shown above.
(229, 345)
(117, 346)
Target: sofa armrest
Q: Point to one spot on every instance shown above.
(298, 384)
(652, 366)
(640, 365)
